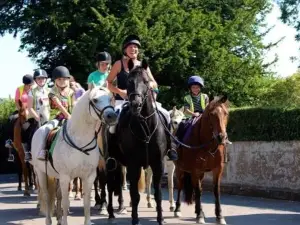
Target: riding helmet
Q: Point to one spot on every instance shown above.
(195, 80)
(103, 57)
(40, 73)
(28, 79)
(60, 72)
(131, 39)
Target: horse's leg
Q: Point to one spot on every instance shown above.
(217, 173)
(200, 217)
(29, 169)
(177, 212)
(34, 179)
(102, 199)
(59, 210)
(70, 190)
(134, 176)
(157, 175)
(44, 196)
(77, 194)
(171, 169)
(148, 187)
(25, 173)
(124, 172)
(97, 197)
(20, 174)
(119, 170)
(64, 182)
(87, 189)
(110, 188)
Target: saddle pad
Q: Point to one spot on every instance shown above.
(51, 140)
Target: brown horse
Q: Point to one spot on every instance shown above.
(28, 171)
(207, 142)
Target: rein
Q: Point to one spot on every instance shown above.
(214, 137)
(84, 149)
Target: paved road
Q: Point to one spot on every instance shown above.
(238, 210)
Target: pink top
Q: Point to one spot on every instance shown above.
(23, 98)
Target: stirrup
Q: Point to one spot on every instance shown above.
(11, 158)
(42, 155)
(28, 157)
(115, 161)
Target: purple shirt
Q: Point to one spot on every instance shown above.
(79, 92)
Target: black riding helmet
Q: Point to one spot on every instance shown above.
(131, 39)
(60, 72)
(103, 57)
(40, 73)
(28, 79)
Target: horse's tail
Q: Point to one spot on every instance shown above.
(188, 188)
(51, 192)
(142, 182)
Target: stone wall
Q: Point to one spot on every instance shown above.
(266, 169)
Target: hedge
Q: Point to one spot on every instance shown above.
(245, 124)
(264, 124)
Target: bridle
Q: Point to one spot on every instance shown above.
(85, 149)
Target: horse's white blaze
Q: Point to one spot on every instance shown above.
(68, 161)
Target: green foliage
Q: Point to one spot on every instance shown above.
(7, 107)
(290, 13)
(264, 124)
(219, 40)
(283, 92)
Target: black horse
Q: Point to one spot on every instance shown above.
(113, 179)
(141, 138)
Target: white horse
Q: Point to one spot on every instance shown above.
(75, 154)
(176, 117)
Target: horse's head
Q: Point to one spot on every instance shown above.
(137, 86)
(176, 117)
(100, 100)
(216, 114)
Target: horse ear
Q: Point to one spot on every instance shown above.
(145, 64)
(223, 98)
(181, 109)
(130, 64)
(93, 85)
(174, 108)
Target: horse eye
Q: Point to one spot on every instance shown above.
(95, 100)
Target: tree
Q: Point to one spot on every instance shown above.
(290, 13)
(219, 40)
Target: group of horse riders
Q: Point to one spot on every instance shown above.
(35, 94)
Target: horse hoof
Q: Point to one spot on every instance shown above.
(71, 195)
(200, 220)
(77, 198)
(177, 214)
(31, 187)
(172, 208)
(103, 212)
(97, 206)
(38, 206)
(149, 205)
(19, 189)
(122, 211)
(26, 194)
(221, 221)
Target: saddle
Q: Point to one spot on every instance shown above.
(185, 128)
(51, 136)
